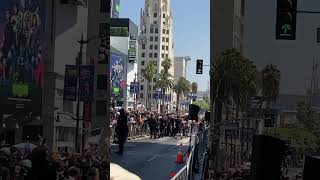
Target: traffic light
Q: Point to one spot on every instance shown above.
(199, 66)
(286, 19)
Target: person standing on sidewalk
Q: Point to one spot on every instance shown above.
(122, 130)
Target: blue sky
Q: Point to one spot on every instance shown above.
(191, 32)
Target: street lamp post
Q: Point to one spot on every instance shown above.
(78, 64)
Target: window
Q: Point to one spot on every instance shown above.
(164, 23)
(156, 30)
(143, 54)
(101, 108)
(162, 47)
(167, 39)
(155, 14)
(167, 48)
(163, 39)
(142, 71)
(167, 55)
(156, 39)
(162, 55)
(141, 95)
(151, 30)
(143, 46)
(164, 15)
(167, 31)
(156, 47)
(155, 22)
(142, 63)
(102, 82)
(154, 88)
(151, 38)
(163, 31)
(151, 46)
(154, 79)
(68, 106)
(141, 87)
(150, 55)
(155, 63)
(155, 55)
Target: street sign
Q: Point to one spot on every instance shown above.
(199, 66)
(286, 19)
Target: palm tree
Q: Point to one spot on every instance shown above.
(234, 78)
(181, 87)
(164, 82)
(148, 74)
(194, 89)
(270, 83)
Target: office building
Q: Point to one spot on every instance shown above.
(155, 44)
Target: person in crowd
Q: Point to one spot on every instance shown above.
(122, 130)
(178, 125)
(162, 126)
(152, 125)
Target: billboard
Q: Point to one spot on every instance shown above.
(115, 8)
(117, 75)
(132, 50)
(70, 83)
(22, 40)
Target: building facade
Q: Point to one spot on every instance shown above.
(180, 67)
(155, 44)
(123, 66)
(54, 118)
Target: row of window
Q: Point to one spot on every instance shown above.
(156, 15)
(154, 55)
(151, 55)
(156, 30)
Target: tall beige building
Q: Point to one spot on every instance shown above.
(155, 44)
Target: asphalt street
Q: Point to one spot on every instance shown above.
(151, 159)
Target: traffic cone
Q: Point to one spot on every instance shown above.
(179, 158)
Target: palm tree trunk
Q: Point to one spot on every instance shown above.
(163, 100)
(177, 106)
(215, 164)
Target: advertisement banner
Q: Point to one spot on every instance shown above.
(22, 58)
(86, 82)
(134, 87)
(115, 8)
(70, 83)
(87, 116)
(132, 50)
(117, 75)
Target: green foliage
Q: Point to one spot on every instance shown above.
(182, 86)
(270, 82)
(203, 105)
(302, 140)
(206, 98)
(119, 31)
(235, 77)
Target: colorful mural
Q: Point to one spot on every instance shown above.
(22, 36)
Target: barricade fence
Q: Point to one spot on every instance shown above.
(193, 165)
(136, 130)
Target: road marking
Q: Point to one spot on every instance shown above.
(172, 148)
(153, 158)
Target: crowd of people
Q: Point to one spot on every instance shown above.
(156, 124)
(39, 164)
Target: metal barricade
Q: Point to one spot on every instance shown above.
(193, 164)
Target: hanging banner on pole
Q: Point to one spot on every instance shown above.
(132, 50)
(70, 83)
(86, 85)
(87, 116)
